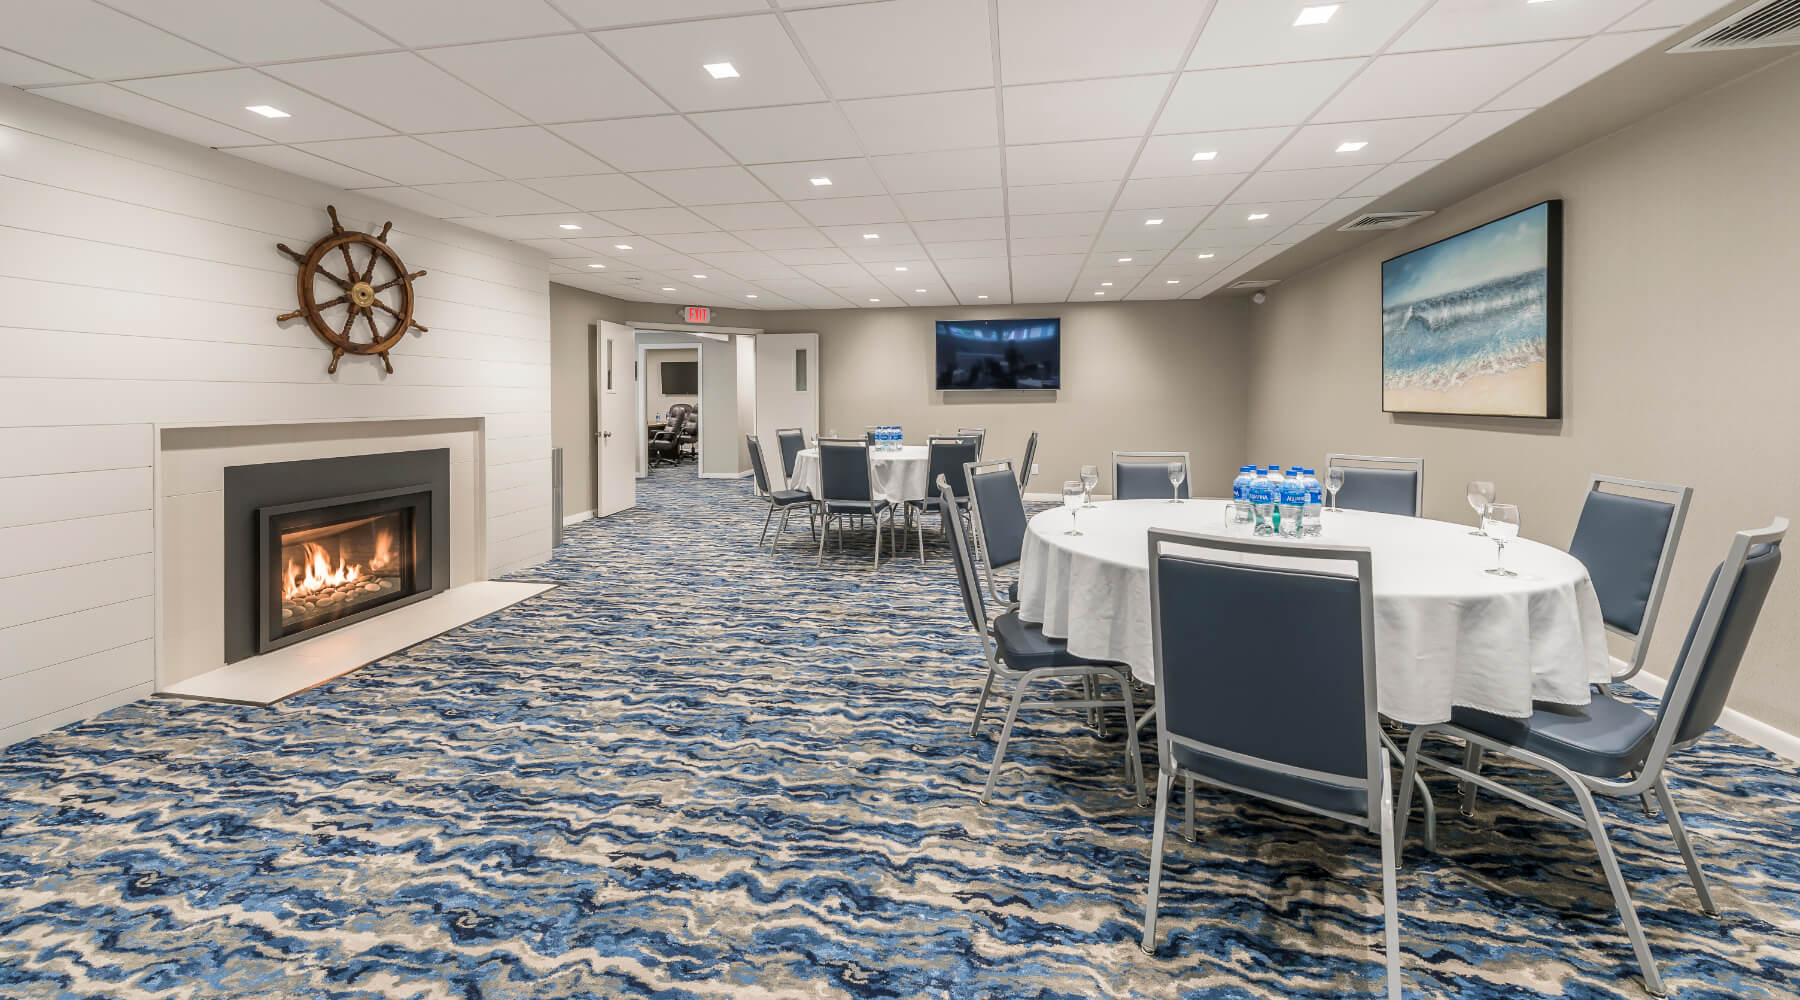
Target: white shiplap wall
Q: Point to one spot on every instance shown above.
(139, 285)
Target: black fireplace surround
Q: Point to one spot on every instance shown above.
(316, 545)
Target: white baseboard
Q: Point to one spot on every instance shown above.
(586, 515)
(1776, 741)
(747, 473)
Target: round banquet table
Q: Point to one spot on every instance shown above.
(1446, 633)
(899, 475)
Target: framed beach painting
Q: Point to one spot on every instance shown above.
(1472, 324)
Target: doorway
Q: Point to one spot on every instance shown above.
(669, 407)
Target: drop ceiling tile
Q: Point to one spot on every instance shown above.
(564, 78)
(945, 42)
(758, 215)
(523, 152)
(840, 276)
(775, 135)
(600, 192)
(619, 13)
(1278, 215)
(1070, 162)
(418, 23)
(1386, 141)
(1086, 109)
(1058, 224)
(945, 170)
(1130, 230)
(253, 33)
(1390, 177)
(1253, 96)
(399, 90)
(1061, 267)
(1300, 185)
(885, 261)
(1235, 152)
(23, 71)
(870, 234)
(956, 120)
(707, 185)
(625, 247)
(1031, 245)
(850, 178)
(1045, 199)
(421, 202)
(305, 164)
(1460, 23)
(1669, 14)
(496, 197)
(1438, 83)
(811, 256)
(226, 95)
(972, 204)
(1583, 63)
(114, 102)
(659, 221)
(960, 230)
(1042, 40)
(1259, 32)
(547, 226)
(705, 243)
(90, 39)
(1182, 192)
(1465, 133)
(750, 264)
(850, 211)
(564, 254)
(804, 238)
(667, 142)
(967, 250)
(670, 57)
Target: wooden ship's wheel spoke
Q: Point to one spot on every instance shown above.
(361, 295)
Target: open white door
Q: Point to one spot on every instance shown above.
(787, 388)
(616, 403)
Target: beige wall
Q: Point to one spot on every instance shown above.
(655, 400)
(1681, 235)
(572, 311)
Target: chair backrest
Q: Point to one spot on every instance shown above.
(869, 435)
(1628, 544)
(999, 509)
(1380, 484)
(978, 433)
(946, 457)
(1144, 475)
(792, 441)
(678, 413)
(1298, 716)
(756, 465)
(844, 470)
(1025, 463)
(965, 563)
(1716, 640)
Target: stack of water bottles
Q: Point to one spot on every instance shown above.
(1276, 504)
(888, 437)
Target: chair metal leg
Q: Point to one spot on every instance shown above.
(780, 530)
(1163, 781)
(1390, 904)
(1418, 782)
(981, 703)
(824, 533)
(1471, 763)
(1187, 822)
(765, 532)
(875, 522)
(1614, 878)
(1408, 775)
(1687, 850)
(1133, 755)
(1012, 716)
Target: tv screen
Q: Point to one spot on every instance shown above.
(999, 354)
(681, 378)
(1472, 324)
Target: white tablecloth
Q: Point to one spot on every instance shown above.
(1446, 633)
(899, 475)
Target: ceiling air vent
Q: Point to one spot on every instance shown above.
(1258, 283)
(1758, 26)
(1381, 220)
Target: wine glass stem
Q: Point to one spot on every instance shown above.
(1500, 555)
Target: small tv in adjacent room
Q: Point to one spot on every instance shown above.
(999, 354)
(681, 378)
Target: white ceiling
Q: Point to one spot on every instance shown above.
(978, 150)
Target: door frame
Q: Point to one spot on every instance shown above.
(702, 332)
(643, 399)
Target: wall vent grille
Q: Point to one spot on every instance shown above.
(1762, 25)
(1255, 283)
(1381, 220)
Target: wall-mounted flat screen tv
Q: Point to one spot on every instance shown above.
(681, 378)
(999, 354)
(1472, 324)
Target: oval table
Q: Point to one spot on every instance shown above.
(899, 475)
(1446, 633)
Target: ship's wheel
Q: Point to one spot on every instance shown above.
(378, 291)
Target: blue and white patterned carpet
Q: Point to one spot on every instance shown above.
(695, 771)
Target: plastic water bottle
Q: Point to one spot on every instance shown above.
(1240, 494)
(1262, 502)
(887, 437)
(1315, 503)
(1293, 505)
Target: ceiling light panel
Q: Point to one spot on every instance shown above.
(664, 56)
(1315, 14)
(225, 95)
(1388, 140)
(1236, 152)
(849, 178)
(1262, 32)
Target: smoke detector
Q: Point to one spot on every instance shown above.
(1381, 220)
(1764, 25)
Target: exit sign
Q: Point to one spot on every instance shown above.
(696, 314)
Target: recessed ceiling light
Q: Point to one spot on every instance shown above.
(749, 296)
(597, 265)
(267, 110)
(866, 236)
(874, 300)
(722, 71)
(1152, 222)
(899, 268)
(820, 182)
(1203, 256)
(1258, 216)
(1209, 154)
(666, 288)
(621, 246)
(1106, 284)
(919, 291)
(1316, 15)
(1099, 293)
(702, 277)
(1173, 281)
(1350, 147)
(568, 225)
(1124, 260)
(981, 296)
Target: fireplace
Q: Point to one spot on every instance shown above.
(317, 545)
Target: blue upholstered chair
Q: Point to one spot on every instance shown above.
(1144, 475)
(998, 509)
(1609, 747)
(1022, 654)
(1025, 464)
(847, 489)
(1382, 485)
(792, 441)
(1627, 543)
(945, 457)
(975, 434)
(782, 500)
(1300, 729)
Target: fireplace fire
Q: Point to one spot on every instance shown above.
(340, 569)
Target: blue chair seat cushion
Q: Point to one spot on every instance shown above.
(857, 506)
(1605, 738)
(1318, 794)
(1024, 646)
(786, 498)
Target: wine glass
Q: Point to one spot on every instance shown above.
(1334, 481)
(1501, 521)
(1481, 494)
(1090, 478)
(1177, 473)
(1072, 496)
